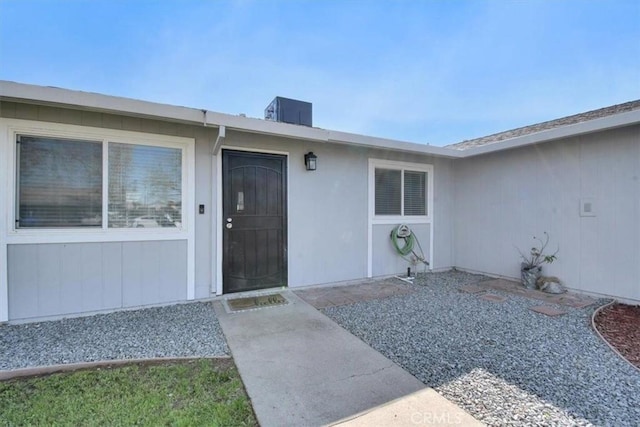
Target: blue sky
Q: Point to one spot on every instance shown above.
(434, 72)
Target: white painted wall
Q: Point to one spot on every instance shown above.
(385, 259)
(484, 207)
(503, 199)
(328, 209)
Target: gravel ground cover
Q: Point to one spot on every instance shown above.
(501, 362)
(174, 331)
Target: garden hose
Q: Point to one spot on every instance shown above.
(410, 243)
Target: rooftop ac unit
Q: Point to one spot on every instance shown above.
(287, 110)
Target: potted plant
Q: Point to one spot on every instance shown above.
(531, 266)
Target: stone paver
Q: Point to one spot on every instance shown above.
(472, 289)
(323, 297)
(569, 299)
(549, 311)
(493, 298)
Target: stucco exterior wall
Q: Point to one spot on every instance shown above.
(505, 198)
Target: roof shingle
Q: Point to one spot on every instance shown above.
(526, 130)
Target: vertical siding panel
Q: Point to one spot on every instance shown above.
(23, 281)
(8, 109)
(131, 274)
(70, 279)
(151, 274)
(590, 182)
(131, 123)
(150, 126)
(112, 121)
(154, 272)
(26, 112)
(192, 131)
(49, 114)
(168, 128)
(91, 275)
(49, 261)
(73, 117)
(164, 285)
(178, 278)
(111, 275)
(173, 283)
(91, 118)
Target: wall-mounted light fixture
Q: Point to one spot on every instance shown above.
(310, 161)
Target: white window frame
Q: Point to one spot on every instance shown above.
(374, 219)
(9, 234)
(17, 235)
(402, 167)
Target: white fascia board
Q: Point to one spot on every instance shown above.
(596, 125)
(47, 95)
(391, 144)
(268, 127)
(117, 105)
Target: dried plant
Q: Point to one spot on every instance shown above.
(536, 256)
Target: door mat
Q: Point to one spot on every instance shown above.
(260, 301)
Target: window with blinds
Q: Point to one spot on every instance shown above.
(59, 183)
(388, 192)
(145, 186)
(400, 192)
(415, 185)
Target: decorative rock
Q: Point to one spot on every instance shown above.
(181, 330)
(499, 361)
(550, 285)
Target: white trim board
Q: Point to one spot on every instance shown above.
(5, 159)
(9, 234)
(372, 220)
(219, 217)
(187, 145)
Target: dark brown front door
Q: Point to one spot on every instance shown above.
(254, 222)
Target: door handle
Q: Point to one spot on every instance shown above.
(229, 225)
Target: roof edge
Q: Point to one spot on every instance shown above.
(397, 145)
(54, 96)
(614, 121)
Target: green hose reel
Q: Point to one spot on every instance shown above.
(408, 245)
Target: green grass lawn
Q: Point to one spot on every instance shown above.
(204, 392)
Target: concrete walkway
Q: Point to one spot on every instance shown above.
(301, 369)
